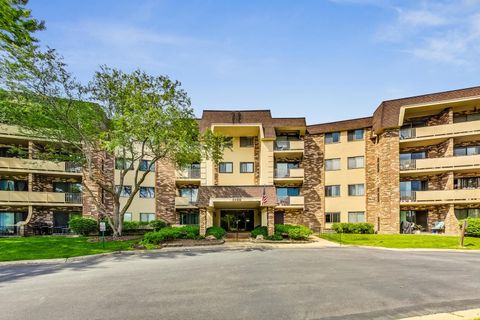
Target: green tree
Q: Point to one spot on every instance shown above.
(130, 116)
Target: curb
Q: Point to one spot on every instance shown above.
(469, 314)
(410, 249)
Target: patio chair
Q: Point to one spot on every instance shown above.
(438, 227)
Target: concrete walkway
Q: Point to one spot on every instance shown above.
(456, 315)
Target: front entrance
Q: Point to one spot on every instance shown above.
(237, 220)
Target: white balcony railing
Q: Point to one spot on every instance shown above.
(440, 130)
(441, 163)
(441, 195)
(40, 197)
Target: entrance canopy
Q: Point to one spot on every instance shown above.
(236, 197)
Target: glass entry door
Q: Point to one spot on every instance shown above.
(237, 220)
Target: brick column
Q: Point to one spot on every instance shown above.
(203, 221)
(451, 222)
(270, 221)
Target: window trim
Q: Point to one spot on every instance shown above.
(356, 195)
(247, 146)
(146, 187)
(331, 133)
(356, 214)
(149, 214)
(353, 137)
(248, 162)
(355, 157)
(331, 215)
(339, 164)
(225, 162)
(333, 196)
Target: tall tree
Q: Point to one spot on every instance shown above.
(131, 116)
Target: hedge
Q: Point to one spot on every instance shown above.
(473, 227)
(259, 231)
(172, 233)
(83, 226)
(358, 228)
(217, 232)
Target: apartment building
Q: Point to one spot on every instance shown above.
(416, 159)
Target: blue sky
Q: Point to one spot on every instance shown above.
(326, 60)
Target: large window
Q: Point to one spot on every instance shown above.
(355, 135)
(356, 216)
(467, 183)
(412, 155)
(13, 185)
(467, 213)
(67, 187)
(283, 168)
(127, 216)
(247, 142)
(190, 193)
(466, 117)
(225, 167)
(355, 162)
(332, 137)
(125, 192)
(8, 221)
(188, 218)
(123, 164)
(356, 189)
(246, 167)
(466, 151)
(332, 217)
(284, 192)
(147, 192)
(146, 165)
(332, 191)
(147, 217)
(332, 164)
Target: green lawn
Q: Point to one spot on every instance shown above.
(403, 241)
(47, 247)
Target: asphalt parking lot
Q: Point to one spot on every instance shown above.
(249, 283)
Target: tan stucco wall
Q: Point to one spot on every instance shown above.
(237, 155)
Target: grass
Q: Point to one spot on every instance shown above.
(48, 247)
(404, 241)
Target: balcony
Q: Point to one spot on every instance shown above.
(294, 145)
(184, 202)
(188, 174)
(440, 131)
(290, 202)
(440, 196)
(38, 166)
(439, 164)
(294, 174)
(41, 198)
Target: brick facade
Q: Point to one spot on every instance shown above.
(165, 191)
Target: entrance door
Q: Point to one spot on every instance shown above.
(230, 219)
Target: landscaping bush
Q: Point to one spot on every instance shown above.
(158, 224)
(171, 233)
(217, 232)
(259, 231)
(357, 228)
(83, 226)
(299, 232)
(283, 228)
(473, 227)
(276, 237)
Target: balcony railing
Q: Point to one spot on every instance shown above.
(296, 145)
(189, 173)
(441, 163)
(290, 201)
(289, 173)
(440, 130)
(185, 201)
(38, 165)
(455, 195)
(40, 197)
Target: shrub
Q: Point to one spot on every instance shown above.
(283, 228)
(217, 232)
(357, 228)
(299, 232)
(83, 226)
(171, 233)
(158, 224)
(473, 227)
(276, 237)
(130, 225)
(259, 231)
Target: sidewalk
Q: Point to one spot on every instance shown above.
(456, 315)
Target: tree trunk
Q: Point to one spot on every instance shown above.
(117, 223)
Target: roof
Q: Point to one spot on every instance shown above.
(264, 117)
(207, 192)
(388, 112)
(343, 125)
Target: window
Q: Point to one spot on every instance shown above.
(147, 217)
(67, 187)
(332, 137)
(126, 191)
(284, 192)
(247, 142)
(145, 165)
(356, 189)
(188, 218)
(413, 155)
(355, 135)
(123, 164)
(355, 162)
(190, 193)
(466, 151)
(467, 213)
(332, 217)
(356, 216)
(13, 185)
(332, 164)
(225, 167)
(332, 191)
(282, 169)
(246, 167)
(467, 183)
(147, 192)
(466, 117)
(127, 216)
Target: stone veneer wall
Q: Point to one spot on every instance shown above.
(313, 186)
(291, 216)
(165, 191)
(444, 117)
(382, 180)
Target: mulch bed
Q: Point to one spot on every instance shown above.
(191, 243)
(110, 238)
